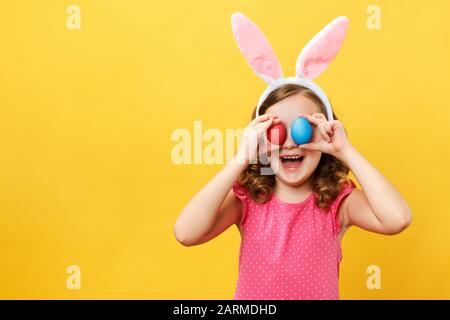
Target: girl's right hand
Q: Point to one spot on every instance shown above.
(248, 149)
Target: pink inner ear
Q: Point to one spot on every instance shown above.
(322, 49)
(255, 48)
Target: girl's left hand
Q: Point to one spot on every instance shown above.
(329, 136)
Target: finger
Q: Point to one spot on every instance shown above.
(263, 147)
(323, 132)
(331, 129)
(263, 118)
(312, 146)
(256, 120)
(314, 120)
(319, 115)
(263, 126)
(335, 124)
(328, 128)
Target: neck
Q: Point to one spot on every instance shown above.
(294, 194)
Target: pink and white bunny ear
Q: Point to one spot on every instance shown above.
(321, 49)
(255, 48)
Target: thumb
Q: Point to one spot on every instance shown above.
(313, 146)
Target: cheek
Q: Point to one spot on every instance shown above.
(274, 155)
(273, 150)
(312, 160)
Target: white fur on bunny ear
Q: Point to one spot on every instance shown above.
(322, 49)
(255, 48)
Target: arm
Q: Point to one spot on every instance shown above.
(212, 210)
(215, 208)
(378, 207)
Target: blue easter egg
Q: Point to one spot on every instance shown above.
(301, 131)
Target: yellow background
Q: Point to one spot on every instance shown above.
(86, 118)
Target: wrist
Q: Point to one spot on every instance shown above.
(239, 160)
(346, 154)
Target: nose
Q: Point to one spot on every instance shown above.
(289, 143)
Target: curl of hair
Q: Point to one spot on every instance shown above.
(329, 178)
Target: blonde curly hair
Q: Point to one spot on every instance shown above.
(329, 178)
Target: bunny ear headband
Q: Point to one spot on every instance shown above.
(312, 61)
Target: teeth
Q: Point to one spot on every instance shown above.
(293, 158)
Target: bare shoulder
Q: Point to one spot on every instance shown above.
(230, 213)
(351, 200)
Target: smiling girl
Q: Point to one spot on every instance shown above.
(292, 222)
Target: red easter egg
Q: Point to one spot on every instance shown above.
(276, 134)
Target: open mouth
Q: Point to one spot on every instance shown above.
(291, 159)
(291, 162)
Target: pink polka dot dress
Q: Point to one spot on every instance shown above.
(289, 250)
